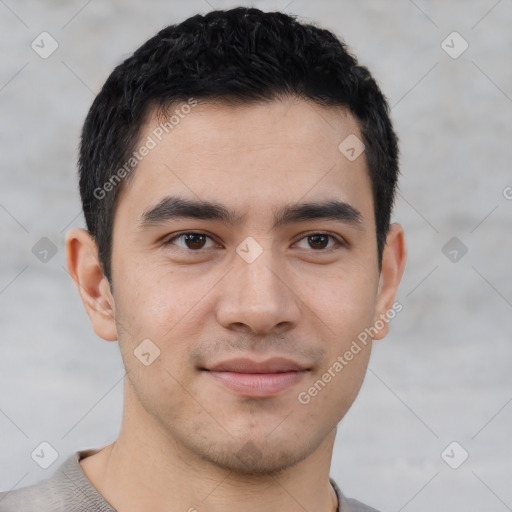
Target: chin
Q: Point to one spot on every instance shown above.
(254, 457)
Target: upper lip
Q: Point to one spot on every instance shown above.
(273, 365)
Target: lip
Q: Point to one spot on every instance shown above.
(257, 378)
(257, 384)
(244, 365)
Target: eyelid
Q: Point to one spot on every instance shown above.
(340, 241)
(175, 236)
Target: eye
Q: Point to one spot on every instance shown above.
(191, 240)
(320, 241)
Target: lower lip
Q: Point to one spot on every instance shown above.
(257, 384)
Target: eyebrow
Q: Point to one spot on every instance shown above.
(173, 207)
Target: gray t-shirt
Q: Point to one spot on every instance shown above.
(69, 490)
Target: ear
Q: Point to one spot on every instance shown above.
(85, 269)
(394, 257)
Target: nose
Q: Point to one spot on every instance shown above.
(259, 297)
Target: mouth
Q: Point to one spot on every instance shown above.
(257, 379)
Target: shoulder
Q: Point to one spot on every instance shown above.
(67, 490)
(351, 505)
(348, 504)
(44, 496)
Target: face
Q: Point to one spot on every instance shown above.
(244, 260)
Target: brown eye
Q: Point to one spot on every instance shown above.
(192, 241)
(318, 241)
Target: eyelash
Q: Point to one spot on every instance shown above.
(339, 242)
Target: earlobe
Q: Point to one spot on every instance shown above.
(84, 267)
(393, 263)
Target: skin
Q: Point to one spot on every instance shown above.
(183, 443)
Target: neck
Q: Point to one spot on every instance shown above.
(145, 469)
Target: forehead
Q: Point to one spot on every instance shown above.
(261, 154)
(219, 125)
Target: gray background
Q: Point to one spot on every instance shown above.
(444, 372)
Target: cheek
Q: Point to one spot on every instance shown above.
(163, 304)
(158, 315)
(332, 391)
(345, 304)
(345, 300)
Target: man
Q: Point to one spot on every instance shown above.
(237, 175)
